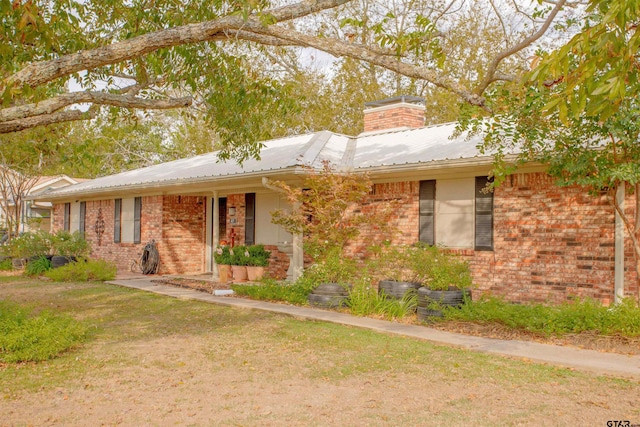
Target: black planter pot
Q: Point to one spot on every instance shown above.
(397, 289)
(59, 261)
(425, 314)
(328, 295)
(453, 297)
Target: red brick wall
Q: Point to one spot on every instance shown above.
(183, 234)
(175, 222)
(400, 116)
(120, 253)
(550, 244)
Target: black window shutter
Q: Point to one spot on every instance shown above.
(67, 217)
(137, 211)
(484, 215)
(427, 212)
(83, 214)
(117, 214)
(250, 219)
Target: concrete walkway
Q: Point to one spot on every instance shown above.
(589, 360)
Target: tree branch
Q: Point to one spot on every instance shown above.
(52, 105)
(338, 47)
(493, 67)
(48, 119)
(39, 73)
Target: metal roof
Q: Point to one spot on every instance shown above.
(380, 150)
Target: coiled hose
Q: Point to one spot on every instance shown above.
(150, 260)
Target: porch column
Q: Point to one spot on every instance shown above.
(619, 248)
(297, 257)
(215, 215)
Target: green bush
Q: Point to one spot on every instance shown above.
(68, 244)
(365, 300)
(38, 266)
(222, 255)
(271, 290)
(26, 337)
(28, 245)
(6, 265)
(585, 315)
(83, 271)
(258, 255)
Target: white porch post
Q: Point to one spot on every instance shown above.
(215, 215)
(619, 248)
(297, 257)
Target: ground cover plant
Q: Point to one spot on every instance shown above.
(83, 270)
(154, 359)
(29, 336)
(578, 316)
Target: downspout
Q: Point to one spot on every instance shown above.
(619, 247)
(297, 255)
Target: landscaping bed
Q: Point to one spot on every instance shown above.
(585, 340)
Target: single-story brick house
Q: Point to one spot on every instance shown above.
(529, 240)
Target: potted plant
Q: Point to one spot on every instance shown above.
(68, 247)
(258, 260)
(239, 261)
(399, 268)
(335, 273)
(447, 283)
(223, 258)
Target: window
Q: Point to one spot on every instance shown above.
(117, 220)
(127, 220)
(67, 217)
(81, 220)
(137, 212)
(250, 219)
(427, 211)
(483, 215)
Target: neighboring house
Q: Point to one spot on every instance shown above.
(37, 215)
(33, 215)
(529, 240)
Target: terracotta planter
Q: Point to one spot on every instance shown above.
(225, 273)
(239, 273)
(254, 273)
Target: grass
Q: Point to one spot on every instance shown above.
(570, 317)
(268, 350)
(26, 336)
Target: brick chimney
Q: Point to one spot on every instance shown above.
(393, 113)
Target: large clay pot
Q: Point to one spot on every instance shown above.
(254, 273)
(225, 273)
(239, 273)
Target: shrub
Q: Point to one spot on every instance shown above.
(365, 300)
(585, 315)
(271, 290)
(26, 337)
(38, 266)
(6, 265)
(258, 255)
(29, 245)
(333, 268)
(83, 271)
(222, 255)
(70, 244)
